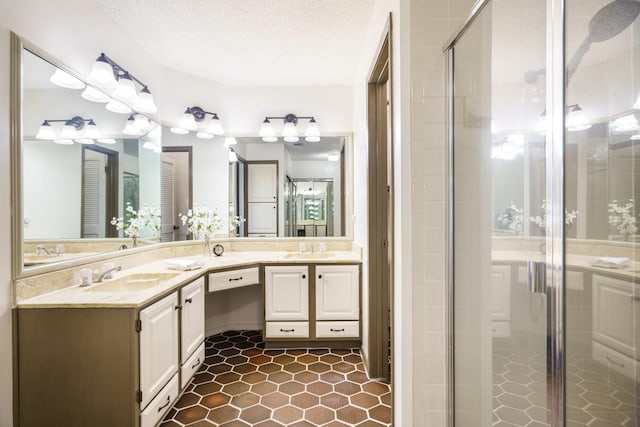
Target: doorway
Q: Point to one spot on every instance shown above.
(380, 190)
(177, 191)
(99, 191)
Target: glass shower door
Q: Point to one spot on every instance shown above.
(499, 218)
(602, 158)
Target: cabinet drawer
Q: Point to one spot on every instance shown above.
(337, 329)
(287, 329)
(161, 404)
(190, 367)
(615, 360)
(233, 279)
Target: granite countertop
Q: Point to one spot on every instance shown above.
(75, 296)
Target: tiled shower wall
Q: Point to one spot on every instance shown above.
(432, 23)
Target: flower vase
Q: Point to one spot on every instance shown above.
(207, 245)
(134, 241)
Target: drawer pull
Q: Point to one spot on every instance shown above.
(319, 276)
(166, 404)
(178, 307)
(613, 362)
(237, 278)
(634, 298)
(304, 276)
(337, 330)
(188, 300)
(197, 363)
(286, 330)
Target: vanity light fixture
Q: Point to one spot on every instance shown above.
(192, 116)
(130, 127)
(110, 76)
(575, 120)
(229, 141)
(627, 123)
(83, 131)
(233, 157)
(290, 132)
(334, 156)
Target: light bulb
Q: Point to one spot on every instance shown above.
(66, 80)
(63, 141)
(576, 120)
(141, 122)
(266, 131)
(102, 74)
(270, 139)
(215, 127)
(91, 131)
(333, 156)
(179, 131)
(85, 141)
(130, 128)
(69, 131)
(118, 107)
(188, 121)
(204, 135)
(312, 138)
(291, 138)
(289, 130)
(126, 89)
(312, 129)
(107, 140)
(46, 131)
(145, 102)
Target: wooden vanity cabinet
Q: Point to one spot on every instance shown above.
(318, 305)
(107, 366)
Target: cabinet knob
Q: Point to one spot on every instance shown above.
(188, 300)
(319, 276)
(304, 276)
(178, 307)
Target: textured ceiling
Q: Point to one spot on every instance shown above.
(250, 42)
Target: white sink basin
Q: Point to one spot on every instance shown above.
(309, 255)
(132, 282)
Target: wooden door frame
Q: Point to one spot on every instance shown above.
(380, 206)
(113, 173)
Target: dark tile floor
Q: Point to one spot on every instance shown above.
(242, 384)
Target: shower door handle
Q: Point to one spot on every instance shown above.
(537, 274)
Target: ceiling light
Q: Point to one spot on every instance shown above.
(576, 119)
(289, 131)
(102, 73)
(94, 95)
(66, 80)
(118, 107)
(130, 127)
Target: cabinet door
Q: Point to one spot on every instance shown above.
(286, 293)
(614, 308)
(337, 292)
(158, 346)
(263, 183)
(263, 218)
(192, 326)
(500, 292)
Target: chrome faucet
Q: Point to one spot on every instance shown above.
(106, 274)
(42, 250)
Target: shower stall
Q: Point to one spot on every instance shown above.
(544, 214)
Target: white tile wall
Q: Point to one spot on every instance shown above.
(432, 22)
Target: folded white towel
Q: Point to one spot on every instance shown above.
(183, 264)
(611, 262)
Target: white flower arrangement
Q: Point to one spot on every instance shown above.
(134, 222)
(541, 220)
(202, 222)
(511, 218)
(623, 218)
(234, 221)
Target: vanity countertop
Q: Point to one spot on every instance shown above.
(76, 296)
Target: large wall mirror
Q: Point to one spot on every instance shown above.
(270, 189)
(75, 168)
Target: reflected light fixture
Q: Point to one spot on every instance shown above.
(334, 156)
(233, 157)
(130, 127)
(63, 79)
(576, 120)
(229, 141)
(289, 131)
(113, 78)
(74, 129)
(94, 95)
(627, 123)
(192, 117)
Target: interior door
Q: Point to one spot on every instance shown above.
(500, 333)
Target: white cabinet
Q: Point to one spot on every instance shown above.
(159, 341)
(192, 318)
(501, 301)
(615, 305)
(262, 182)
(337, 292)
(263, 218)
(286, 293)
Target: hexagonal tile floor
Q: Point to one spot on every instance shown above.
(242, 384)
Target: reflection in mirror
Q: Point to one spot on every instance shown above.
(80, 170)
